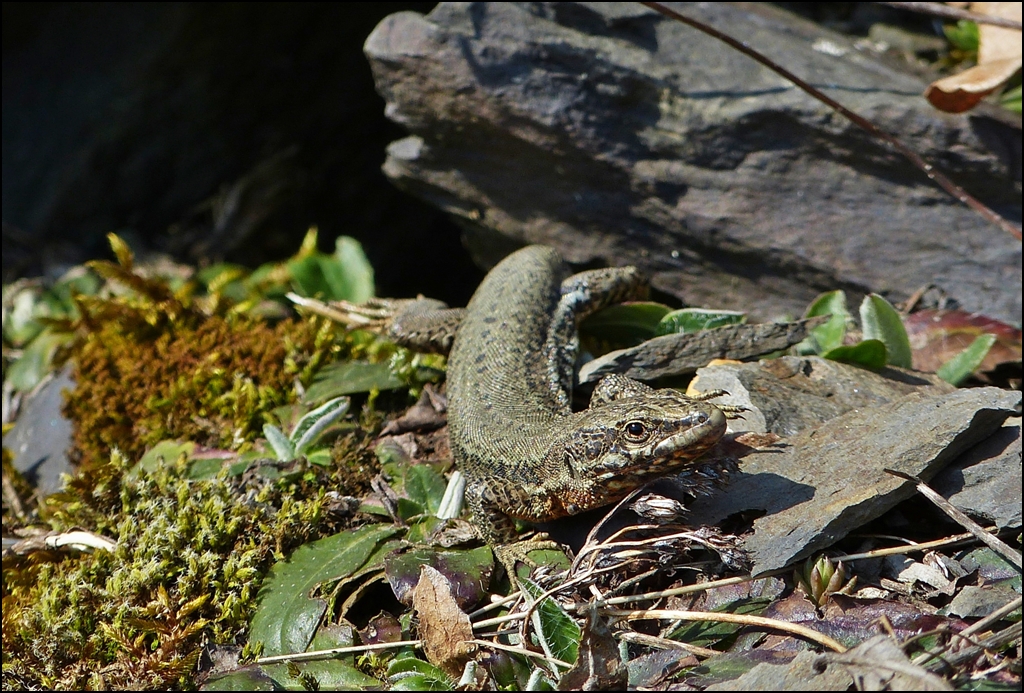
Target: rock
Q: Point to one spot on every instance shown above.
(807, 672)
(986, 480)
(819, 485)
(42, 436)
(792, 393)
(619, 136)
(683, 353)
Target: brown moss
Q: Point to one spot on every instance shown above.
(211, 380)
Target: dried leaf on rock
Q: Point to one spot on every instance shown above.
(999, 58)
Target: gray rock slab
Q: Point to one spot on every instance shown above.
(682, 354)
(789, 394)
(807, 672)
(819, 485)
(985, 481)
(619, 136)
(41, 436)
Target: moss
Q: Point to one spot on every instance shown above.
(189, 560)
(214, 382)
(153, 364)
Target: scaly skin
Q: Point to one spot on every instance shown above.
(525, 454)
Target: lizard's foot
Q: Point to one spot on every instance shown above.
(510, 554)
(374, 315)
(731, 411)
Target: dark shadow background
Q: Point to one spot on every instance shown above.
(208, 131)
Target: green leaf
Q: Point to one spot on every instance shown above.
(308, 276)
(830, 335)
(870, 354)
(1010, 100)
(349, 271)
(879, 320)
(20, 325)
(283, 448)
(413, 674)
(349, 377)
(313, 424)
(164, 452)
(963, 35)
(689, 320)
(77, 280)
(625, 324)
(287, 617)
(469, 571)
(425, 486)
(331, 675)
(960, 367)
(558, 634)
(251, 678)
(36, 361)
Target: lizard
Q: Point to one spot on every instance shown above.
(525, 454)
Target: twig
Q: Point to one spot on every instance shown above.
(996, 641)
(993, 542)
(722, 617)
(522, 651)
(943, 10)
(326, 654)
(666, 644)
(688, 589)
(910, 548)
(941, 180)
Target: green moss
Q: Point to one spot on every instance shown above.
(189, 560)
(153, 363)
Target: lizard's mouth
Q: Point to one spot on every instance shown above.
(699, 432)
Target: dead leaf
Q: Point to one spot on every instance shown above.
(999, 58)
(444, 628)
(936, 336)
(879, 664)
(599, 665)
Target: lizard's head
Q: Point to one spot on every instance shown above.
(621, 442)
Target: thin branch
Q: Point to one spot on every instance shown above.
(334, 651)
(994, 543)
(722, 617)
(665, 643)
(522, 651)
(997, 615)
(940, 9)
(941, 180)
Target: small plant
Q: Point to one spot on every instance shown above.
(820, 578)
(884, 338)
(306, 432)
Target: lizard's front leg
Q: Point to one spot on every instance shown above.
(486, 500)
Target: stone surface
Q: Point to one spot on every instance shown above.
(819, 485)
(619, 136)
(789, 394)
(807, 672)
(42, 436)
(683, 353)
(985, 482)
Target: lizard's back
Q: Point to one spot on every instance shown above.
(503, 386)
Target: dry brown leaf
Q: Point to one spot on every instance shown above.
(444, 628)
(999, 58)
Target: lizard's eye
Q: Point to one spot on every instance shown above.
(636, 430)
